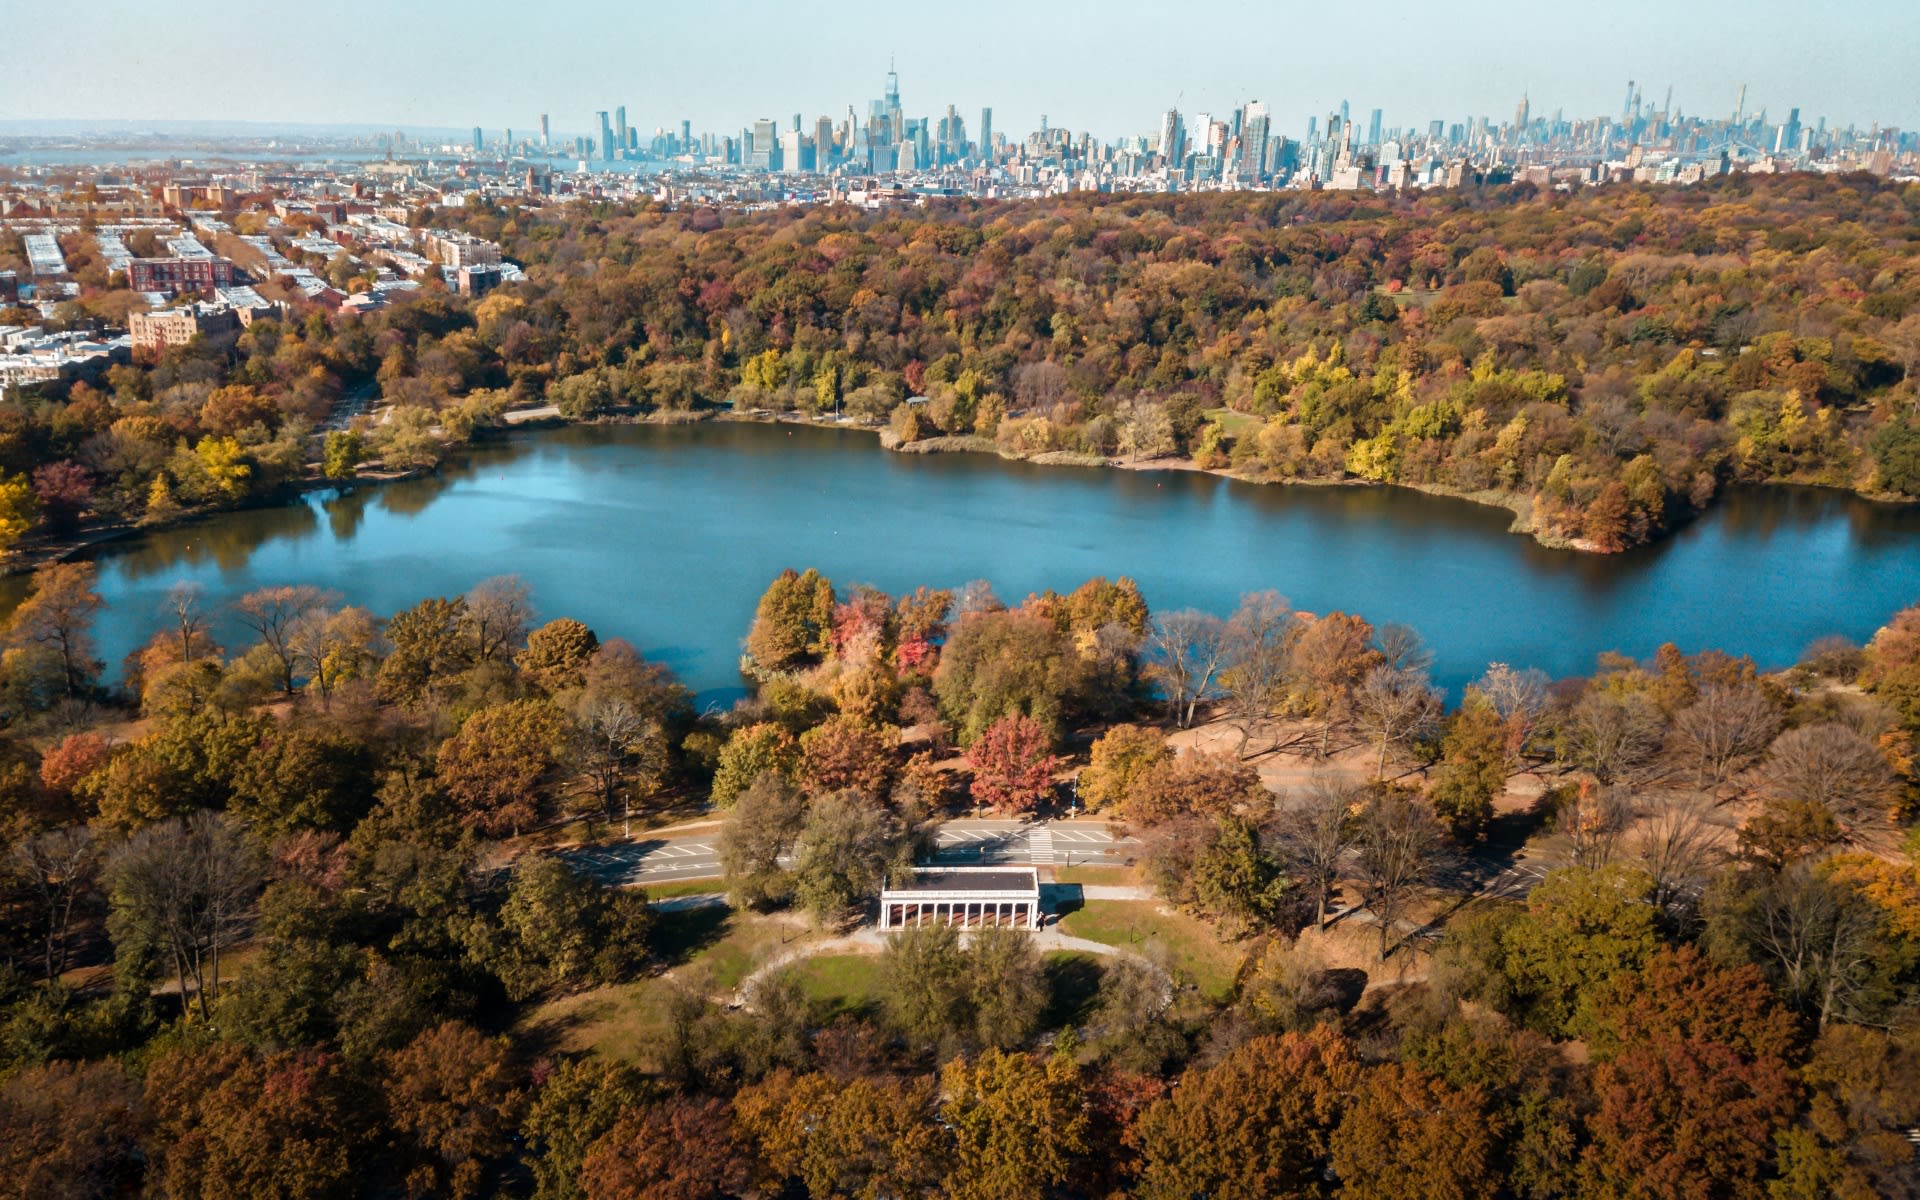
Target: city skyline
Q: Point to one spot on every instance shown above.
(1093, 74)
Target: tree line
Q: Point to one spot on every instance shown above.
(1605, 362)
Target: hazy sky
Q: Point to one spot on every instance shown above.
(1109, 67)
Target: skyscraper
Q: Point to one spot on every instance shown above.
(546, 134)
(823, 143)
(766, 145)
(606, 136)
(986, 134)
(1253, 141)
(620, 129)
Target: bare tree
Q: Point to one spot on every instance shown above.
(1519, 697)
(1254, 679)
(1725, 730)
(59, 869)
(1614, 735)
(331, 647)
(614, 739)
(1401, 648)
(1819, 941)
(1039, 385)
(274, 614)
(498, 613)
(186, 887)
(1834, 767)
(1400, 850)
(1316, 831)
(1679, 846)
(1393, 704)
(1188, 649)
(185, 607)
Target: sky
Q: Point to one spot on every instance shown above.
(1110, 68)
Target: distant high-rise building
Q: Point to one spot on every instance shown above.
(606, 136)
(478, 145)
(986, 133)
(1373, 128)
(1171, 135)
(546, 133)
(1626, 106)
(686, 137)
(766, 145)
(620, 128)
(1253, 140)
(823, 143)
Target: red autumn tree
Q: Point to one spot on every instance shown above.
(679, 1149)
(1013, 764)
(1679, 1119)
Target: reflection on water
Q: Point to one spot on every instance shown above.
(666, 536)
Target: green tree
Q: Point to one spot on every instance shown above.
(1473, 767)
(1896, 452)
(794, 621)
(580, 1100)
(1582, 926)
(1019, 1125)
(18, 508)
(558, 928)
(750, 752)
(765, 821)
(343, 452)
(427, 649)
(842, 855)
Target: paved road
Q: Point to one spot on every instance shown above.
(959, 843)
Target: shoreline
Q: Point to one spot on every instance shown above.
(25, 559)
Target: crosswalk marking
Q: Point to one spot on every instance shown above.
(1040, 846)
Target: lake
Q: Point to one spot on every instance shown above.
(666, 536)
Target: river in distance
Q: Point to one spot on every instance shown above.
(666, 536)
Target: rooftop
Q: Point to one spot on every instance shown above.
(925, 880)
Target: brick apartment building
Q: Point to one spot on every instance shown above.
(173, 276)
(153, 332)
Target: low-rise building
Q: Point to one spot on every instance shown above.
(154, 332)
(477, 279)
(970, 897)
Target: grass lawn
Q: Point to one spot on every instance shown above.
(1191, 949)
(1105, 876)
(1236, 424)
(839, 983)
(684, 887)
(711, 948)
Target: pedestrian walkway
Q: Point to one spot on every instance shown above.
(1040, 846)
